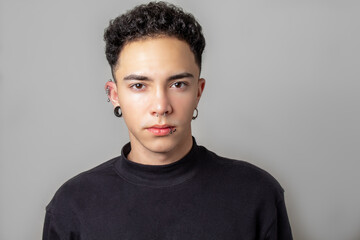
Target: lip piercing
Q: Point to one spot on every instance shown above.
(172, 131)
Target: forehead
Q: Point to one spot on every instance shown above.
(160, 55)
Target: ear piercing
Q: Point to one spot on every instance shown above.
(196, 115)
(107, 91)
(116, 111)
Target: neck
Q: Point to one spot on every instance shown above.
(171, 150)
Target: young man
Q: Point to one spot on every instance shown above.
(164, 186)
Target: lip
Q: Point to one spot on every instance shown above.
(160, 130)
(161, 126)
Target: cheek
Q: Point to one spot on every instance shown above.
(132, 101)
(185, 105)
(133, 107)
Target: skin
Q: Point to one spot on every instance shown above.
(156, 76)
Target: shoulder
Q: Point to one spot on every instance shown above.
(243, 175)
(77, 189)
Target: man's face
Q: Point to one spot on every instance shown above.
(158, 88)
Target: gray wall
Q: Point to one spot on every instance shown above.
(282, 92)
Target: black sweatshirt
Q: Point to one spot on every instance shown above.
(201, 196)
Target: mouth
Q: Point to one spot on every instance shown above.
(161, 130)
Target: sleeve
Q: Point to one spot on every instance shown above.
(60, 227)
(280, 228)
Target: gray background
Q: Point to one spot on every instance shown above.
(282, 92)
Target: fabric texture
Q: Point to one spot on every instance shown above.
(202, 196)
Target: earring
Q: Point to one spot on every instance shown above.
(107, 91)
(196, 115)
(116, 111)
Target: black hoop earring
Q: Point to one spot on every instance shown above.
(197, 113)
(116, 111)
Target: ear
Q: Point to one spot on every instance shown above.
(113, 95)
(201, 86)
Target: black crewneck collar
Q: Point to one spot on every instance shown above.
(158, 175)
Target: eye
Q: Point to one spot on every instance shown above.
(138, 86)
(179, 84)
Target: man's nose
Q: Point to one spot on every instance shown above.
(161, 103)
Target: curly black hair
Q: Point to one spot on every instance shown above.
(153, 20)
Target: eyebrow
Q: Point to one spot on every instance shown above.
(173, 77)
(135, 77)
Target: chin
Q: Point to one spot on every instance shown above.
(161, 145)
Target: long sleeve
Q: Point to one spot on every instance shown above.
(280, 229)
(201, 196)
(60, 227)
